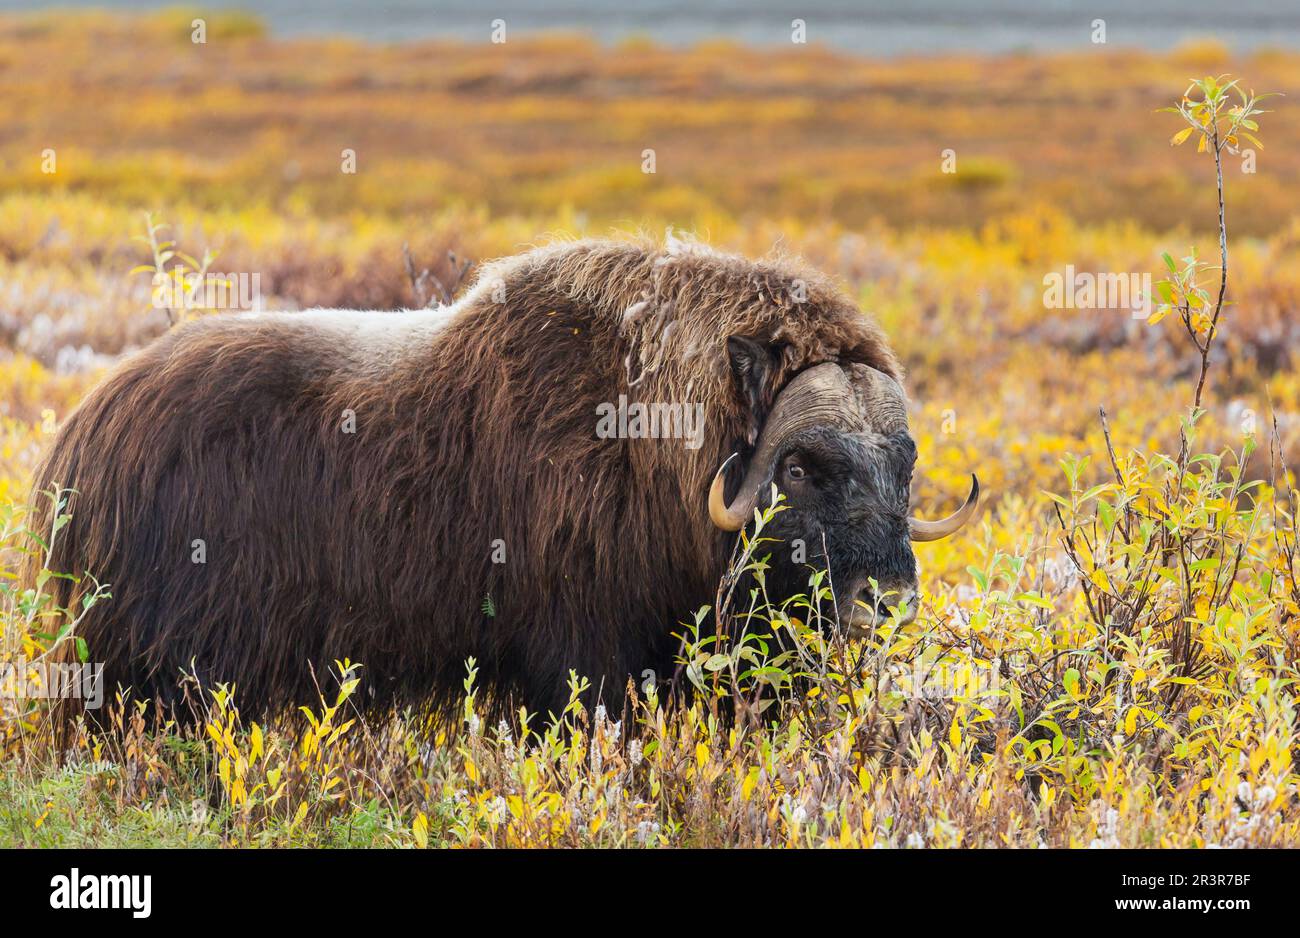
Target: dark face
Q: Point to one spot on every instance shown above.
(835, 442)
(846, 495)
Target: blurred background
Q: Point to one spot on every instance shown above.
(870, 27)
(939, 160)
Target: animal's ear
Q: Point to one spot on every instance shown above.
(753, 367)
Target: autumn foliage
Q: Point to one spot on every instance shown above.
(1108, 657)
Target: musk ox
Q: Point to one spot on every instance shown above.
(269, 492)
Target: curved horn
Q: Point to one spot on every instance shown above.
(817, 395)
(933, 530)
(727, 517)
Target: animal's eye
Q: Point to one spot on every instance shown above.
(795, 471)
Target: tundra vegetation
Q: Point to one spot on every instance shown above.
(1107, 657)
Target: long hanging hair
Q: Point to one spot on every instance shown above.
(267, 493)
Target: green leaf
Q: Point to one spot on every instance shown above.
(1071, 683)
(1034, 599)
(1056, 498)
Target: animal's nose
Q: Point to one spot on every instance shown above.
(881, 600)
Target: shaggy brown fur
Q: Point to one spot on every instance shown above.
(377, 545)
